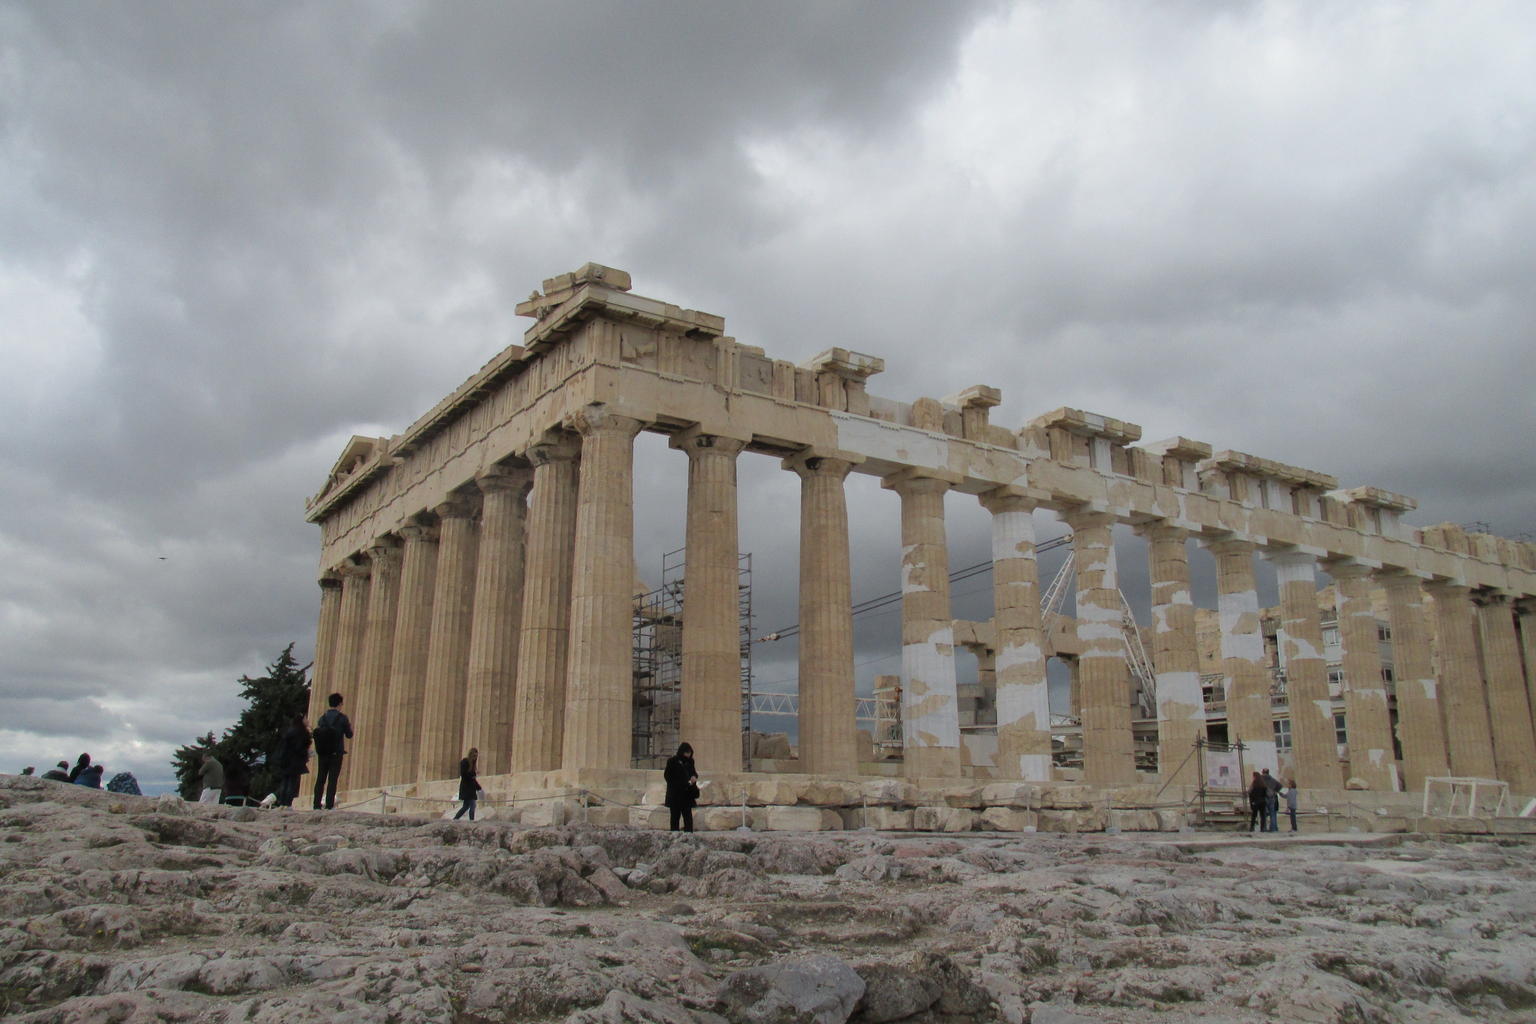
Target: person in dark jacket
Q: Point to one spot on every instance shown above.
(90, 777)
(81, 765)
(1272, 789)
(292, 760)
(330, 736)
(682, 786)
(469, 785)
(58, 773)
(1258, 793)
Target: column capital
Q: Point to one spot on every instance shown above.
(554, 446)
(1447, 590)
(383, 547)
(1160, 529)
(1083, 517)
(1010, 498)
(920, 480)
(598, 418)
(809, 464)
(1348, 569)
(330, 580)
(355, 571)
(454, 508)
(418, 532)
(1227, 544)
(695, 442)
(1525, 605)
(1397, 579)
(1290, 557)
(505, 478)
(1487, 597)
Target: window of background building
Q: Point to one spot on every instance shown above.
(1339, 733)
(1282, 734)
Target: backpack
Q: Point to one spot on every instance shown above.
(124, 782)
(327, 736)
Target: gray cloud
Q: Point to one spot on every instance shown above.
(233, 235)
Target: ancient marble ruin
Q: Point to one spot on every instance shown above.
(478, 581)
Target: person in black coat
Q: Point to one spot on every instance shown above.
(469, 784)
(1258, 795)
(292, 760)
(682, 786)
(81, 765)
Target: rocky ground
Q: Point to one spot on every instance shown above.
(134, 909)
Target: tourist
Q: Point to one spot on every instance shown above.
(212, 776)
(292, 760)
(81, 765)
(1290, 802)
(330, 736)
(90, 777)
(1257, 794)
(28, 770)
(1272, 789)
(682, 786)
(469, 785)
(58, 773)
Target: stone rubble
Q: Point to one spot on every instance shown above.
(129, 909)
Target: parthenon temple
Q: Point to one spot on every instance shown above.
(478, 589)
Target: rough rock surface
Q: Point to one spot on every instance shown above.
(128, 909)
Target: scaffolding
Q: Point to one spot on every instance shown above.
(657, 657)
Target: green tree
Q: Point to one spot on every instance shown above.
(271, 702)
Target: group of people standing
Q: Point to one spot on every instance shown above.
(290, 759)
(1264, 795)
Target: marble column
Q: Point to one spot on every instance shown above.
(325, 644)
(599, 701)
(1175, 655)
(1108, 754)
(408, 659)
(538, 723)
(368, 711)
(827, 733)
(1315, 751)
(1468, 736)
(1514, 746)
(1366, 712)
(442, 709)
(349, 630)
(1525, 613)
(495, 630)
(929, 711)
(1419, 729)
(1250, 716)
(711, 682)
(1018, 660)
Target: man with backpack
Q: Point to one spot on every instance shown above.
(330, 735)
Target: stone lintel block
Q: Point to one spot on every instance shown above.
(1447, 536)
(821, 791)
(1087, 819)
(1031, 494)
(796, 819)
(937, 818)
(1181, 448)
(886, 819)
(589, 273)
(1088, 424)
(1008, 819)
(844, 363)
(1009, 794)
(1378, 498)
(710, 819)
(889, 792)
(1252, 465)
(977, 396)
(965, 794)
(649, 817)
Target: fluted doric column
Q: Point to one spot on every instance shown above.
(372, 704)
(1250, 718)
(350, 628)
(930, 713)
(1525, 615)
(1175, 655)
(827, 731)
(442, 709)
(1367, 715)
(538, 723)
(1313, 737)
(325, 643)
(408, 660)
(1468, 736)
(599, 710)
(1109, 757)
(495, 630)
(1023, 698)
(1419, 728)
(711, 683)
(1514, 747)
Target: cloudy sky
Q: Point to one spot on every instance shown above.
(234, 234)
